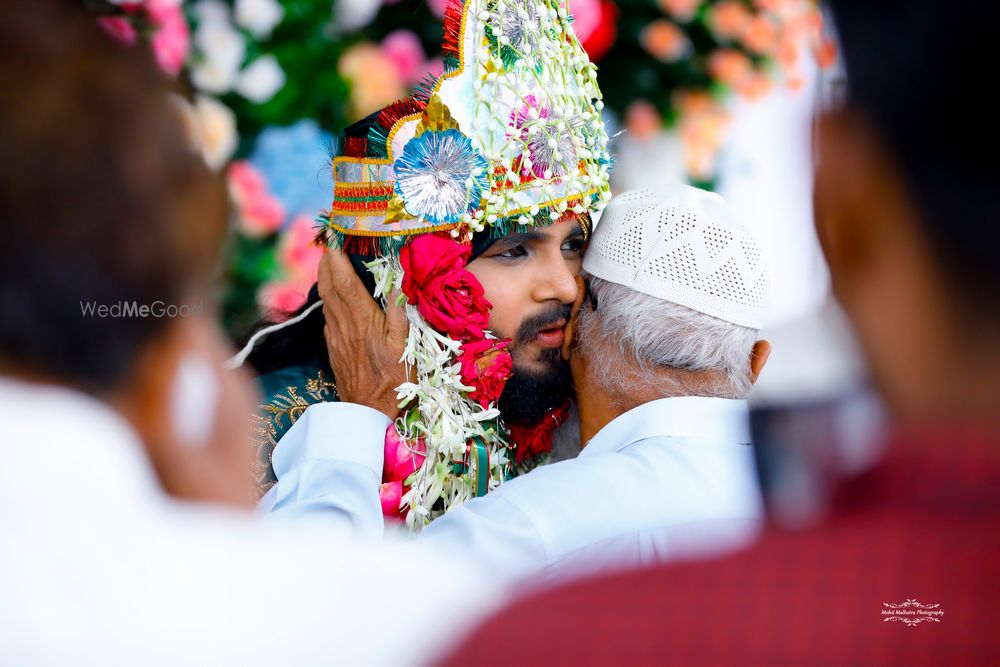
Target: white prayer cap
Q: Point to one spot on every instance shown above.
(681, 244)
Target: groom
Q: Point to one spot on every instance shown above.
(667, 351)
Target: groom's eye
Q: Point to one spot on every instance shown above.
(513, 252)
(574, 246)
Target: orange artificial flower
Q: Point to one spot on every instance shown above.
(665, 41)
(681, 10)
(729, 66)
(761, 35)
(729, 19)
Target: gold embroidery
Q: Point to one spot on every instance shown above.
(272, 419)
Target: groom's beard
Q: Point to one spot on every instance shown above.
(531, 393)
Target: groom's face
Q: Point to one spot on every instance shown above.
(531, 280)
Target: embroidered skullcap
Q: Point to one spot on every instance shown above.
(683, 245)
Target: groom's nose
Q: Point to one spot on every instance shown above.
(557, 281)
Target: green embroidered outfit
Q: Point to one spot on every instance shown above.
(288, 392)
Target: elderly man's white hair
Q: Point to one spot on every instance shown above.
(678, 284)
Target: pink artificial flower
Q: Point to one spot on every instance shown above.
(120, 28)
(260, 213)
(586, 18)
(279, 299)
(172, 40)
(429, 69)
(603, 37)
(298, 252)
(438, 7)
(403, 48)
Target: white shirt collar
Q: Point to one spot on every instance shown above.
(722, 419)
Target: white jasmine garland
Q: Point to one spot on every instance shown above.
(437, 409)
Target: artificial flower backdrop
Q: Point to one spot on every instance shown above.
(267, 83)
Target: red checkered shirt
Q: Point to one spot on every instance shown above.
(919, 530)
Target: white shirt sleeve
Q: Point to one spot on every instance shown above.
(329, 466)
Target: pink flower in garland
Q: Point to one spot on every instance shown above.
(487, 366)
(446, 295)
(402, 459)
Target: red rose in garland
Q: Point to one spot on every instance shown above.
(536, 439)
(487, 366)
(444, 292)
(427, 257)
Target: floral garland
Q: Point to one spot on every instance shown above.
(449, 445)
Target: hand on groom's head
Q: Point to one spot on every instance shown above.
(364, 343)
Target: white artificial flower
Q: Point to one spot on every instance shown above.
(217, 130)
(221, 47)
(352, 15)
(261, 79)
(259, 16)
(211, 11)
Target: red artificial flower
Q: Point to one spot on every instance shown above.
(487, 367)
(446, 295)
(426, 257)
(600, 41)
(535, 440)
(454, 304)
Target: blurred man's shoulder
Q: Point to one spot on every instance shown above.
(913, 545)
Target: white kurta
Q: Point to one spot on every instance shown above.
(669, 479)
(99, 567)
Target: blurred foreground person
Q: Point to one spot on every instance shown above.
(111, 391)
(904, 570)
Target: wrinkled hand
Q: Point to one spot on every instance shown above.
(363, 342)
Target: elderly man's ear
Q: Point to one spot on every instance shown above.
(758, 357)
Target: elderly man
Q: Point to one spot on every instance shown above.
(666, 353)
(903, 570)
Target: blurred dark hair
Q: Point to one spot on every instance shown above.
(102, 199)
(920, 72)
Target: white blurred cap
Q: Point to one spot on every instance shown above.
(681, 244)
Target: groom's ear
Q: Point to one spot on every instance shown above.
(758, 357)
